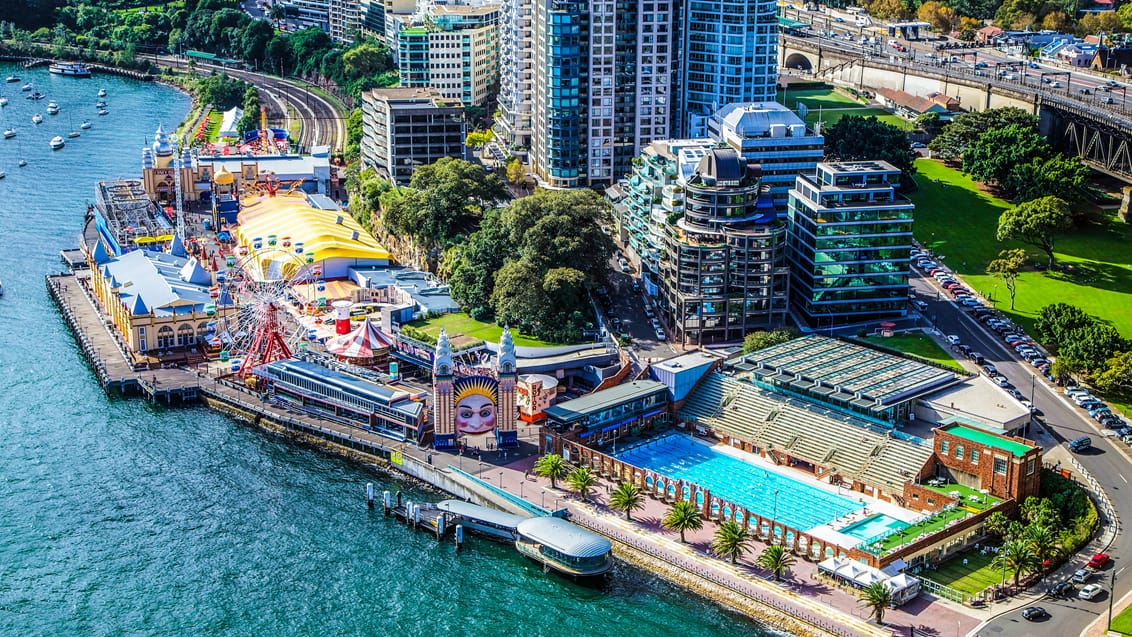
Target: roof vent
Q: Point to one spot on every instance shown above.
(354, 236)
(338, 220)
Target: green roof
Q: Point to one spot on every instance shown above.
(989, 439)
(603, 399)
(792, 24)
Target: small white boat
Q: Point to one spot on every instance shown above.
(100, 103)
(2, 175)
(3, 101)
(85, 124)
(26, 87)
(56, 143)
(22, 163)
(73, 134)
(12, 78)
(102, 92)
(37, 119)
(9, 133)
(36, 96)
(103, 111)
(52, 108)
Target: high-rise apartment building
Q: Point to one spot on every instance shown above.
(453, 48)
(728, 54)
(723, 271)
(585, 85)
(850, 243)
(343, 17)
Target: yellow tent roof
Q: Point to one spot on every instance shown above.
(318, 230)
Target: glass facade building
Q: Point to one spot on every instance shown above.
(850, 243)
(729, 54)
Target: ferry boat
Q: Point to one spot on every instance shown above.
(9, 133)
(85, 125)
(37, 119)
(56, 143)
(52, 108)
(73, 69)
(12, 78)
(102, 92)
(564, 547)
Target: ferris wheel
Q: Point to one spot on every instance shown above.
(259, 299)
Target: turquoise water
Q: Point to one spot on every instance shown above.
(874, 528)
(120, 518)
(794, 503)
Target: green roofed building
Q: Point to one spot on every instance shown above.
(603, 416)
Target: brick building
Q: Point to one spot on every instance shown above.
(1006, 467)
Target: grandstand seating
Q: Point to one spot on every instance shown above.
(811, 432)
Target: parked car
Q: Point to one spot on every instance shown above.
(1099, 560)
(991, 370)
(1082, 575)
(1001, 381)
(1062, 589)
(1089, 592)
(953, 339)
(660, 335)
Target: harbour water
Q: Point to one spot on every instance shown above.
(118, 517)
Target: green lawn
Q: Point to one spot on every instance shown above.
(1122, 623)
(212, 131)
(831, 117)
(985, 501)
(459, 323)
(917, 345)
(973, 579)
(814, 98)
(958, 221)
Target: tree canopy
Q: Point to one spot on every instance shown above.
(964, 129)
(761, 339)
(996, 152)
(1059, 175)
(1006, 267)
(1058, 320)
(855, 138)
(1036, 223)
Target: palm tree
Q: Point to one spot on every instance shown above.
(683, 516)
(582, 480)
(1044, 542)
(775, 559)
(1018, 557)
(551, 466)
(731, 540)
(877, 597)
(627, 497)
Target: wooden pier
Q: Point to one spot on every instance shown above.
(106, 352)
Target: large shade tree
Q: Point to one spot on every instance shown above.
(964, 129)
(998, 151)
(855, 138)
(1036, 223)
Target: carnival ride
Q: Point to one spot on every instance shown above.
(258, 302)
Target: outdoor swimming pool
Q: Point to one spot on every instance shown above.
(797, 504)
(874, 528)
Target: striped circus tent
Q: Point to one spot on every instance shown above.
(366, 343)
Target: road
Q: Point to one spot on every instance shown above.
(1107, 463)
(846, 36)
(323, 123)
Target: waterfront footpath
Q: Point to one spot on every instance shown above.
(496, 478)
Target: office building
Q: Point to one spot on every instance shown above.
(728, 55)
(453, 49)
(850, 242)
(407, 127)
(309, 13)
(723, 270)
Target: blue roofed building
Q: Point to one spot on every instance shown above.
(160, 303)
(605, 415)
(682, 373)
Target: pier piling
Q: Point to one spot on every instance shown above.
(459, 536)
(386, 501)
(439, 528)
(369, 495)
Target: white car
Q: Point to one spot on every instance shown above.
(1090, 591)
(660, 335)
(953, 339)
(1001, 381)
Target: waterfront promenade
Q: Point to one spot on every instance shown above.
(814, 604)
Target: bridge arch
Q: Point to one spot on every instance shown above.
(799, 61)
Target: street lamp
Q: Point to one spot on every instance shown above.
(1111, 592)
(500, 479)
(480, 472)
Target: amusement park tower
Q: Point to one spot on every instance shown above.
(443, 412)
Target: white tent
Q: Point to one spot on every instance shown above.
(228, 123)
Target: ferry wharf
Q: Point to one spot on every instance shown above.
(498, 479)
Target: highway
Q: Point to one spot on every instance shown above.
(1106, 462)
(1073, 87)
(323, 123)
